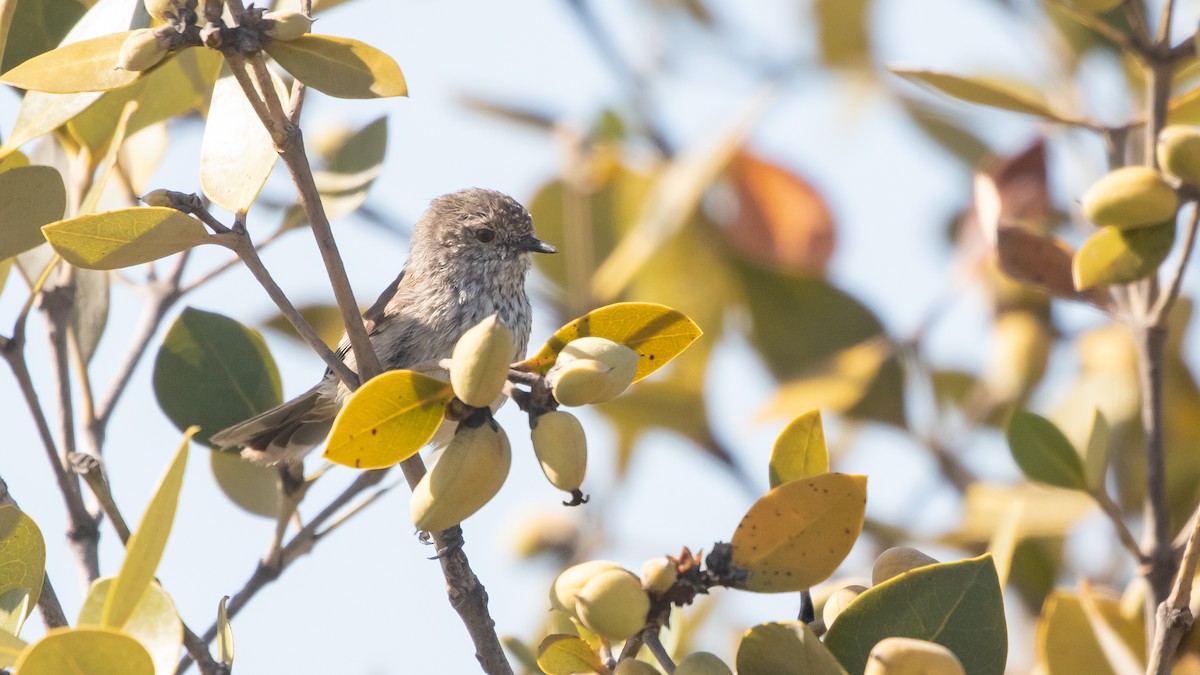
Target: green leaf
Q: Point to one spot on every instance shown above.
(339, 66)
(88, 65)
(325, 319)
(567, 655)
(30, 197)
(155, 623)
(214, 372)
(982, 91)
(656, 332)
(253, 487)
(86, 651)
(957, 605)
(146, 545)
(236, 153)
(11, 647)
(1095, 455)
(15, 605)
(784, 648)
(22, 565)
(1066, 642)
(1044, 453)
(38, 27)
(1116, 256)
(797, 534)
(799, 450)
(224, 635)
(387, 420)
(89, 313)
(125, 237)
(352, 168)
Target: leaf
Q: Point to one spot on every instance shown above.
(224, 635)
(154, 622)
(838, 384)
(784, 648)
(387, 420)
(981, 91)
(147, 543)
(567, 655)
(1048, 512)
(125, 237)
(30, 197)
(11, 647)
(674, 196)
(1044, 453)
(1043, 261)
(213, 372)
(798, 533)
(1066, 642)
(1116, 256)
(89, 313)
(1112, 644)
(236, 153)
(799, 450)
(325, 319)
(85, 651)
(1003, 545)
(352, 168)
(22, 565)
(656, 332)
(957, 605)
(782, 221)
(41, 113)
(1185, 108)
(15, 606)
(37, 27)
(339, 66)
(252, 487)
(89, 65)
(842, 33)
(1095, 455)
(946, 130)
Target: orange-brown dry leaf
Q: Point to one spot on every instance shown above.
(782, 221)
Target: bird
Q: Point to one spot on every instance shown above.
(469, 256)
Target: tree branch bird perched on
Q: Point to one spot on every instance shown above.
(469, 257)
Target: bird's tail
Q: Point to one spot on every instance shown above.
(285, 433)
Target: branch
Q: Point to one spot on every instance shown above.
(1174, 618)
(1165, 300)
(1114, 515)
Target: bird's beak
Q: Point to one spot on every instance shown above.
(534, 245)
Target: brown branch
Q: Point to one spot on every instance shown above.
(1174, 617)
(1175, 279)
(1113, 512)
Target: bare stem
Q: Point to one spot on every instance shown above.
(1173, 282)
(1114, 515)
(1174, 617)
(660, 653)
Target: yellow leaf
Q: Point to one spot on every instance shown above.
(838, 384)
(799, 450)
(1048, 512)
(797, 534)
(1066, 642)
(154, 623)
(224, 635)
(114, 239)
(387, 420)
(784, 648)
(656, 332)
(22, 563)
(30, 197)
(1185, 108)
(982, 91)
(339, 66)
(146, 546)
(89, 65)
(236, 154)
(567, 655)
(1003, 544)
(91, 651)
(11, 647)
(41, 113)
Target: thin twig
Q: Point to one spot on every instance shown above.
(1113, 512)
(1175, 279)
(660, 653)
(1174, 617)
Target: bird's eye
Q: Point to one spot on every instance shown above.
(485, 235)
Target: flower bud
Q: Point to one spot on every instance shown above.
(142, 50)
(571, 580)
(634, 667)
(621, 359)
(479, 365)
(561, 449)
(1131, 196)
(469, 473)
(1179, 152)
(159, 197)
(289, 25)
(896, 561)
(702, 663)
(909, 656)
(613, 604)
(578, 382)
(838, 602)
(659, 574)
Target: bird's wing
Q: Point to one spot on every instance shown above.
(372, 316)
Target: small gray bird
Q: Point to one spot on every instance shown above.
(469, 257)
